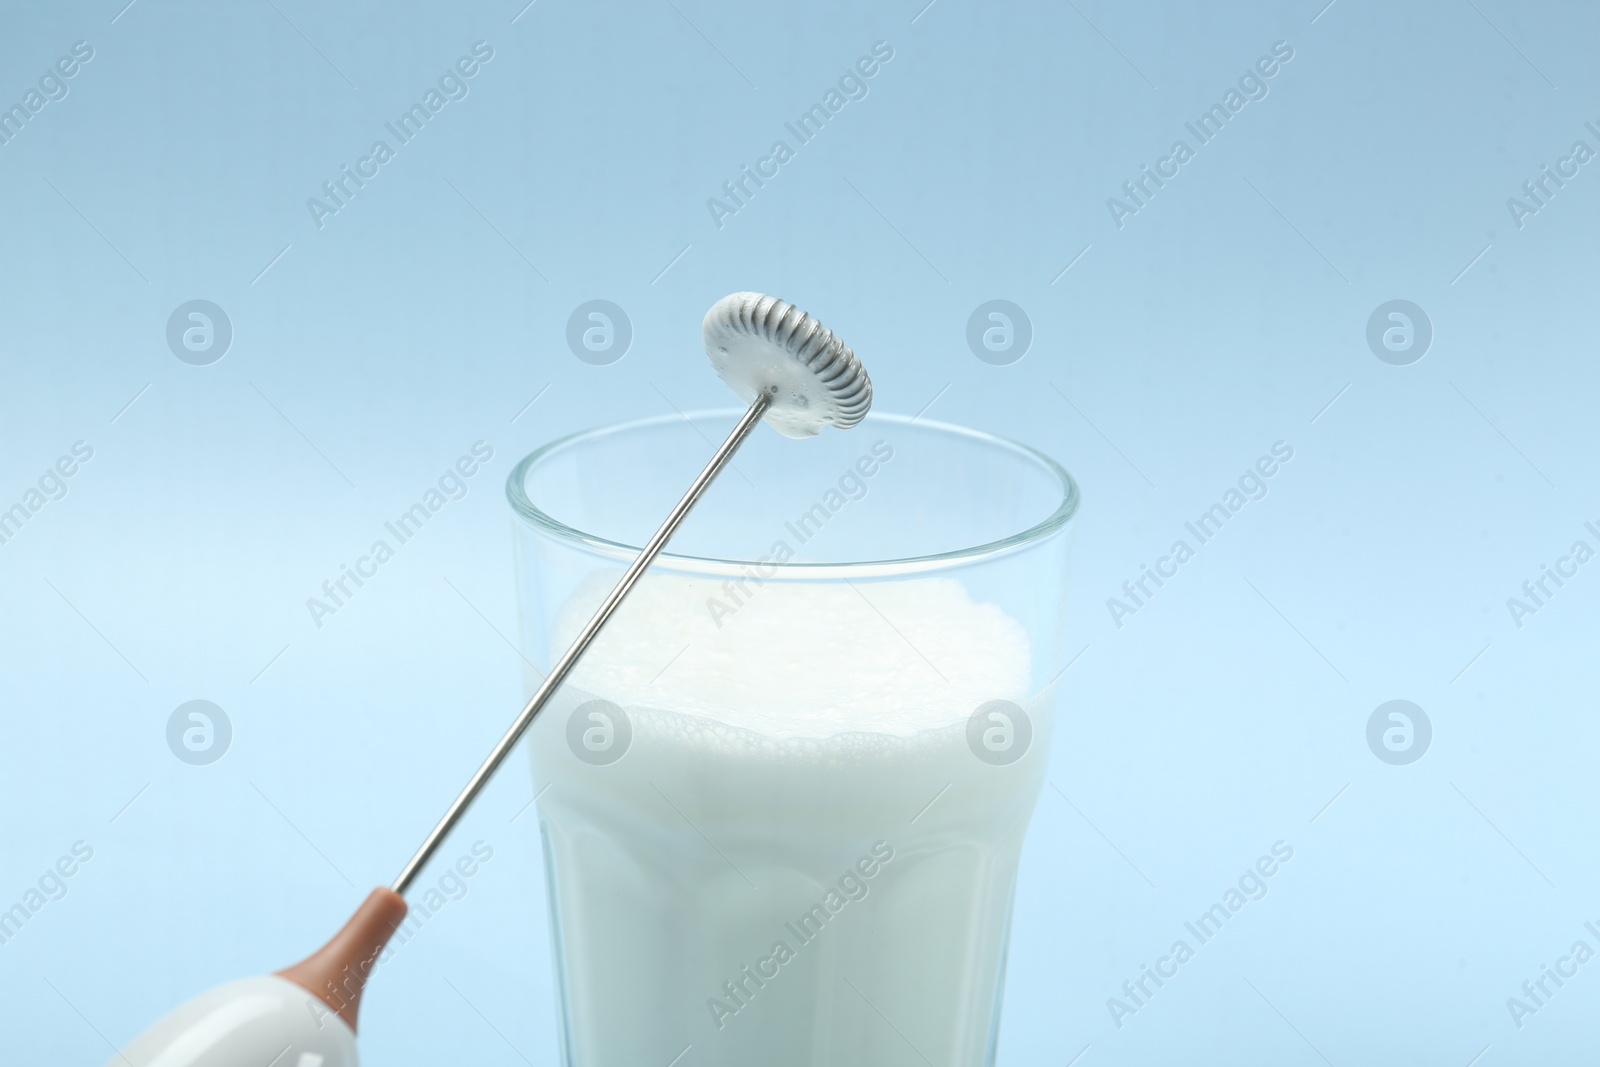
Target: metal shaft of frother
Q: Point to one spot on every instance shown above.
(558, 673)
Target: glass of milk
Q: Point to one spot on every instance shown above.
(783, 797)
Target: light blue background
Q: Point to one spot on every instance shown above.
(1223, 317)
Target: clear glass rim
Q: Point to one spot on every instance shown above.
(532, 514)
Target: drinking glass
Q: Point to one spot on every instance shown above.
(783, 798)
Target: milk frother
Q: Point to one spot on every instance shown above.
(795, 374)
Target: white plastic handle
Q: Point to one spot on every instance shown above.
(253, 1022)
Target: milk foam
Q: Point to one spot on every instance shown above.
(774, 742)
(787, 660)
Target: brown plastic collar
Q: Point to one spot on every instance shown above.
(337, 972)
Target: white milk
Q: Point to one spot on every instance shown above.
(798, 859)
